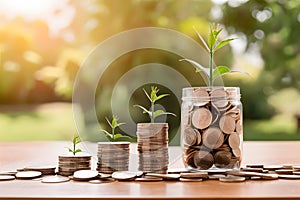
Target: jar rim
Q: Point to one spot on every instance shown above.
(209, 93)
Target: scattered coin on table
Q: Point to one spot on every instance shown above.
(55, 179)
(7, 177)
(231, 178)
(85, 175)
(191, 179)
(28, 174)
(149, 179)
(165, 176)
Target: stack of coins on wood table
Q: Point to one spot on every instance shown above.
(152, 141)
(68, 164)
(113, 156)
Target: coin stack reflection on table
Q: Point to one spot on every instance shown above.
(68, 164)
(152, 141)
(113, 156)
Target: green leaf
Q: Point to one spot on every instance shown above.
(241, 72)
(161, 96)
(202, 40)
(70, 150)
(107, 133)
(78, 150)
(223, 43)
(120, 124)
(114, 122)
(144, 109)
(161, 112)
(154, 91)
(220, 70)
(76, 139)
(109, 122)
(124, 138)
(117, 135)
(197, 65)
(147, 94)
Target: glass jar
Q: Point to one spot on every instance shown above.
(211, 128)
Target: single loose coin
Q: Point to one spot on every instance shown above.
(234, 141)
(8, 173)
(123, 175)
(284, 171)
(227, 124)
(286, 176)
(194, 175)
(177, 170)
(6, 178)
(273, 167)
(165, 176)
(249, 169)
(55, 179)
(230, 179)
(28, 174)
(216, 176)
(84, 175)
(190, 179)
(149, 179)
(213, 138)
(201, 118)
(255, 165)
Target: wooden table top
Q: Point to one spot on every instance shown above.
(20, 154)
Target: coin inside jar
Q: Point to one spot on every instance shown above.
(213, 138)
(203, 160)
(201, 118)
(222, 159)
(234, 141)
(227, 124)
(190, 136)
(219, 97)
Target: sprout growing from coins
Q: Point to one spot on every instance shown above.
(113, 136)
(153, 98)
(212, 46)
(76, 140)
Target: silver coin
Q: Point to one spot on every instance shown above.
(230, 179)
(85, 175)
(28, 174)
(55, 179)
(123, 175)
(149, 179)
(165, 176)
(99, 181)
(190, 179)
(6, 178)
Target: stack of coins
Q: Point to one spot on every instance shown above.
(213, 131)
(153, 147)
(113, 156)
(68, 164)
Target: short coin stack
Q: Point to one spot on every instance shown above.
(153, 147)
(68, 164)
(113, 156)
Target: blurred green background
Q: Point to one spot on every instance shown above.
(43, 43)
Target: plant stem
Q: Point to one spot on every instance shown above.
(152, 112)
(211, 69)
(74, 148)
(113, 133)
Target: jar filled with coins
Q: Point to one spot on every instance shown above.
(211, 128)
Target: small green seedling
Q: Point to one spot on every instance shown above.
(212, 46)
(76, 140)
(113, 136)
(153, 98)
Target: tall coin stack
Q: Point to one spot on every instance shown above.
(113, 156)
(152, 141)
(68, 164)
